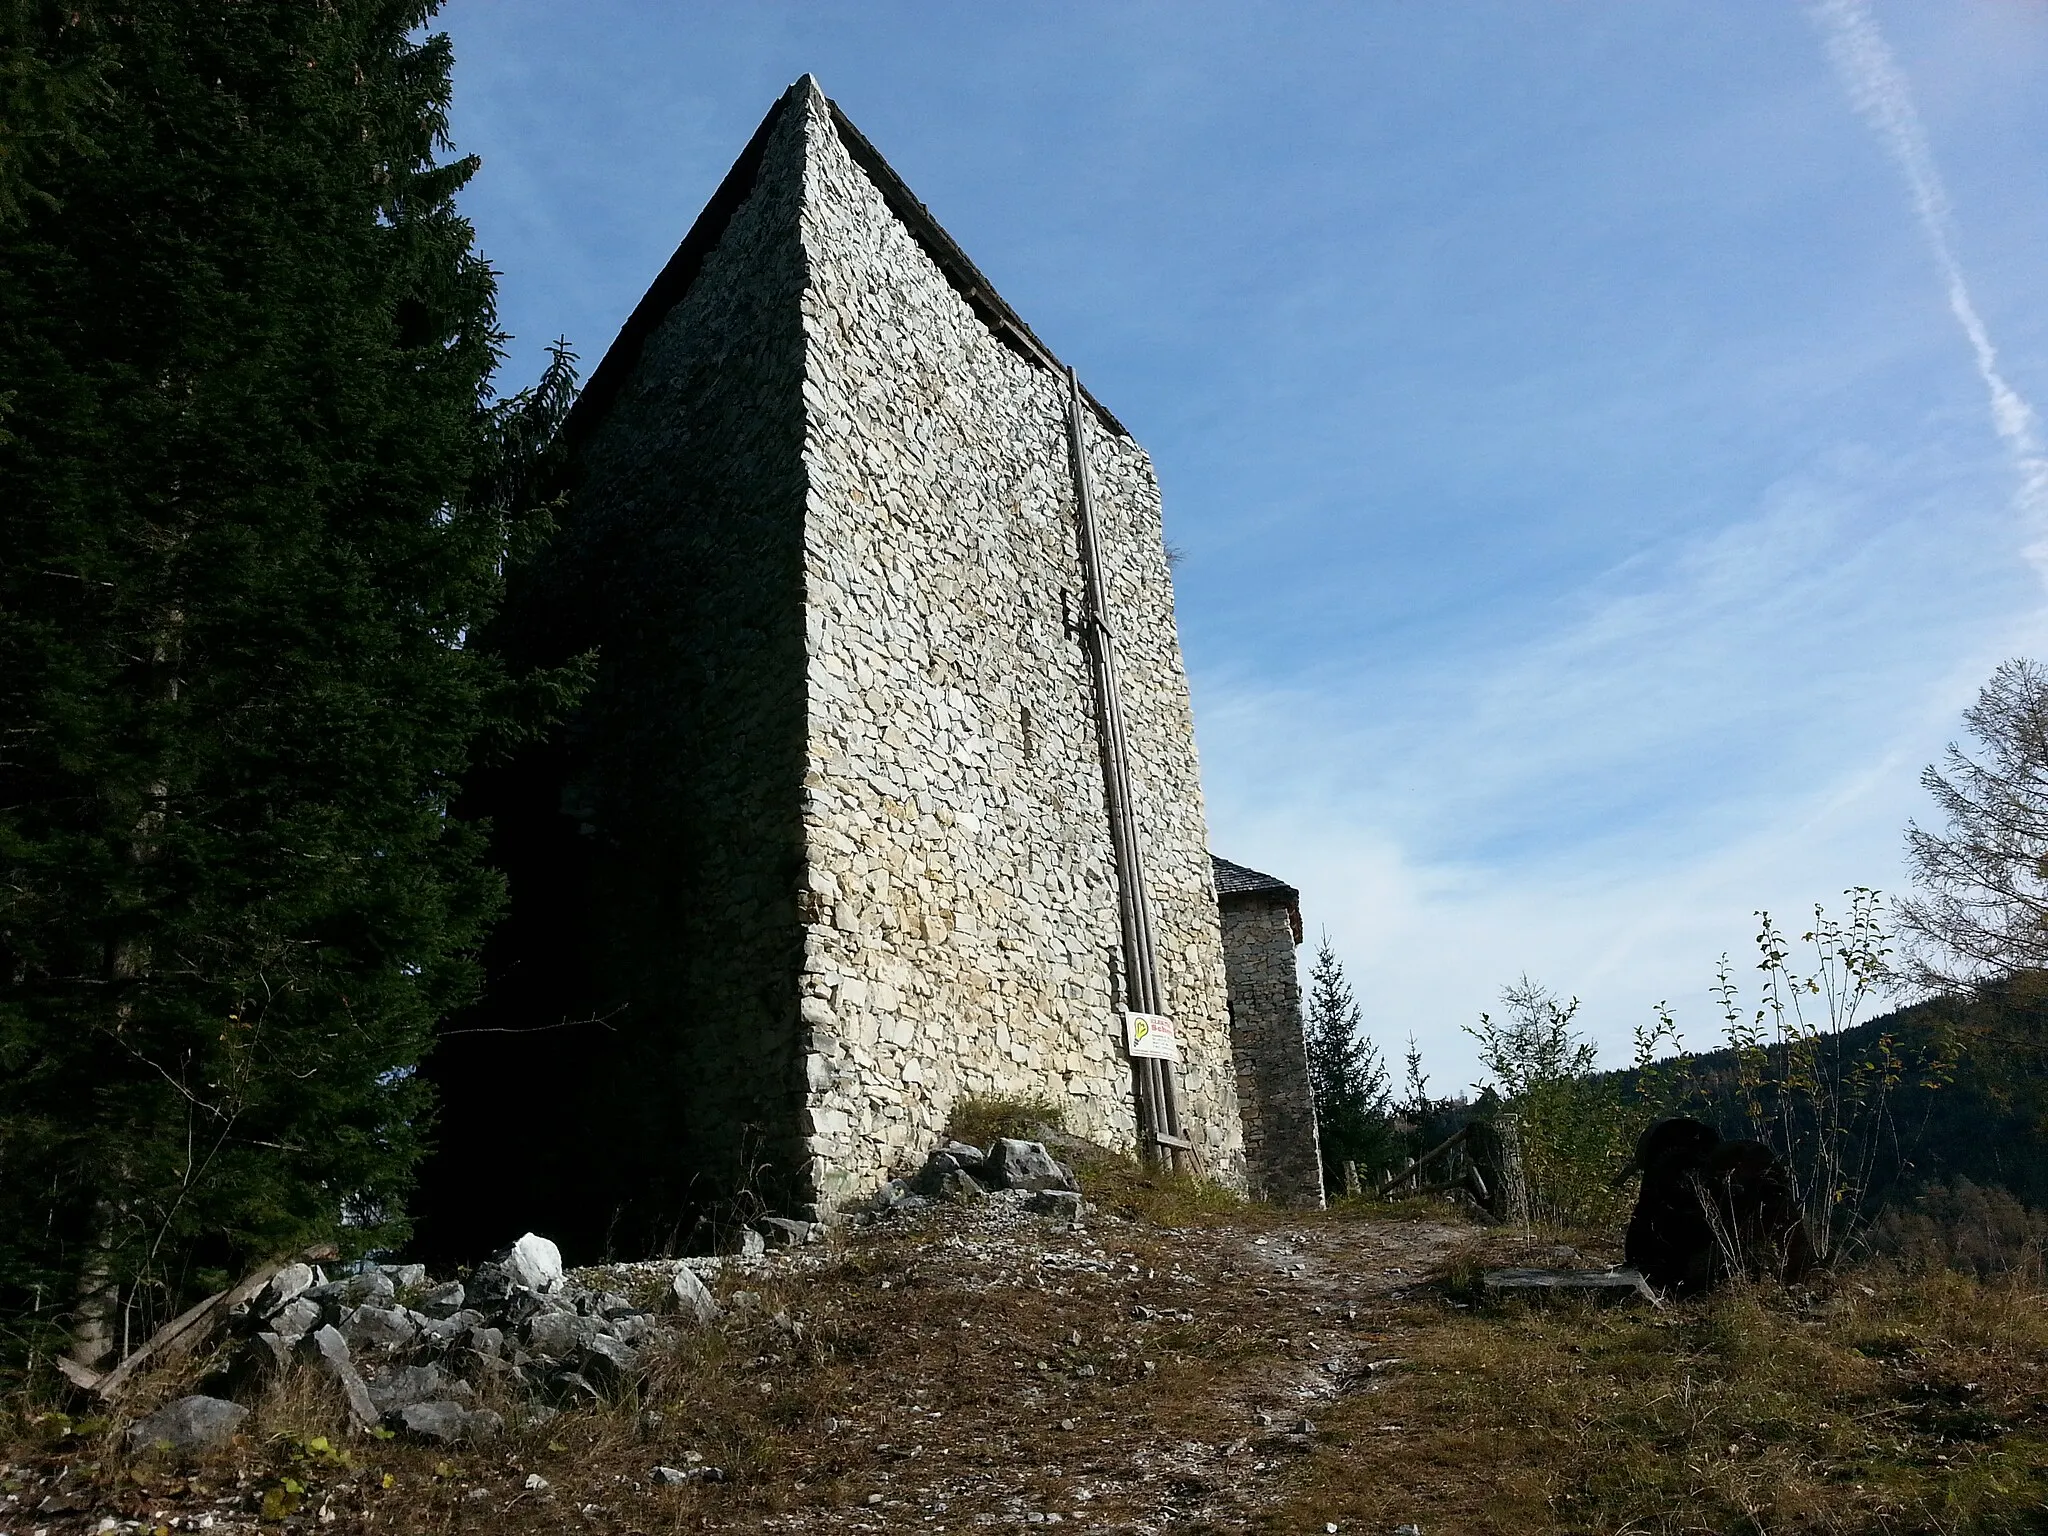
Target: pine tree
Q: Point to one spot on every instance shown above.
(255, 495)
(1353, 1108)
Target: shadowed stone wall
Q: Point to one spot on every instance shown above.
(686, 553)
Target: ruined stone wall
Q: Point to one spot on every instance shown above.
(961, 930)
(1282, 1149)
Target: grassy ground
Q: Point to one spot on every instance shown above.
(1884, 1403)
(1182, 1363)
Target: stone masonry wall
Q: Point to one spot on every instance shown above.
(960, 910)
(1281, 1144)
(839, 779)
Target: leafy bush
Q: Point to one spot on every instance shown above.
(1576, 1128)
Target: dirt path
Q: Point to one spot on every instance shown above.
(1113, 1378)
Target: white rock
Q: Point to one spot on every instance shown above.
(535, 1263)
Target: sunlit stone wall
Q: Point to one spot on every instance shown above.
(961, 907)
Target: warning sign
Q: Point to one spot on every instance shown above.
(1150, 1034)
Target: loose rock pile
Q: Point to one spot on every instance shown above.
(416, 1357)
(421, 1357)
(958, 1172)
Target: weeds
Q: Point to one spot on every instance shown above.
(1152, 1194)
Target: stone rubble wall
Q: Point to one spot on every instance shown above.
(960, 907)
(1282, 1149)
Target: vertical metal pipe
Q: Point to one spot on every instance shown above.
(1154, 1088)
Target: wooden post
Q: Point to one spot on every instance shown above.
(1497, 1174)
(1350, 1179)
(1514, 1180)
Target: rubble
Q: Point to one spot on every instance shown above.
(414, 1356)
(965, 1174)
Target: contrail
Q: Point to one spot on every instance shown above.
(1878, 90)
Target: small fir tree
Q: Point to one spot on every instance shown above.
(255, 496)
(1353, 1105)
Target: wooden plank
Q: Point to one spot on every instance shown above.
(190, 1326)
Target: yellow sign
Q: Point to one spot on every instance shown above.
(1150, 1034)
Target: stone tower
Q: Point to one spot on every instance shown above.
(1261, 931)
(829, 841)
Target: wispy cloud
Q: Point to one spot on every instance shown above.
(1881, 95)
(1708, 728)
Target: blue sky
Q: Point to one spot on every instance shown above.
(1592, 511)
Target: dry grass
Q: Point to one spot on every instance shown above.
(1193, 1365)
(1891, 1403)
(980, 1118)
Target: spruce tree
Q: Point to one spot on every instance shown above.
(255, 496)
(1353, 1109)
